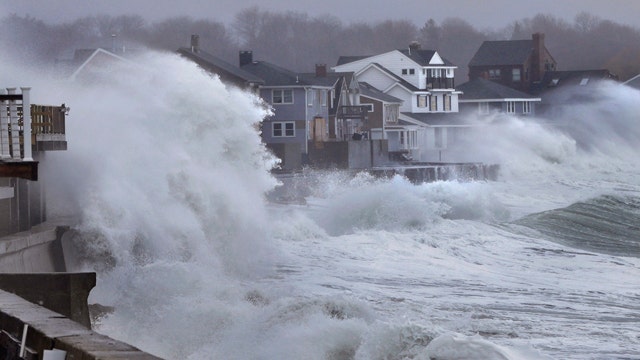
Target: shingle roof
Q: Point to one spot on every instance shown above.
(504, 52)
(219, 66)
(422, 57)
(479, 89)
(275, 75)
(440, 119)
(369, 91)
(348, 59)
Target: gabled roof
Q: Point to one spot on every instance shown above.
(371, 92)
(85, 56)
(389, 73)
(503, 52)
(218, 66)
(274, 75)
(482, 89)
(421, 57)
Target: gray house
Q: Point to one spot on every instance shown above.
(300, 103)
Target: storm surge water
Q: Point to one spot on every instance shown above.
(167, 181)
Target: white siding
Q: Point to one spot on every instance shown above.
(376, 77)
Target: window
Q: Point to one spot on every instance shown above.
(494, 74)
(412, 71)
(422, 101)
(436, 73)
(434, 103)
(584, 81)
(447, 102)
(324, 97)
(511, 107)
(515, 74)
(282, 96)
(405, 71)
(526, 107)
(369, 107)
(284, 129)
(391, 113)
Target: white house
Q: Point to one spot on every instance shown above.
(424, 82)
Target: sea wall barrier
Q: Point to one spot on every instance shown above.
(428, 172)
(296, 185)
(43, 309)
(31, 332)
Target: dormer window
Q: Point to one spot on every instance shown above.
(494, 74)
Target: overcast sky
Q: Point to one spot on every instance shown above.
(483, 14)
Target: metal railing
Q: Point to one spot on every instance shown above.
(22, 125)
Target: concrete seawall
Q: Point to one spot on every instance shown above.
(38, 293)
(47, 330)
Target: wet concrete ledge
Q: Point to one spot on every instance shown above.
(49, 330)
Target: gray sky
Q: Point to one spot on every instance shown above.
(483, 14)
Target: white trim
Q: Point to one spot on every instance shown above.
(497, 100)
(284, 129)
(93, 55)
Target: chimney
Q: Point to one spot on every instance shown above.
(413, 46)
(195, 43)
(245, 57)
(321, 70)
(537, 62)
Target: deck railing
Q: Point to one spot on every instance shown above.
(23, 125)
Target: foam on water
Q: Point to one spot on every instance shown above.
(167, 178)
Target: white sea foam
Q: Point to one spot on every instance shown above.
(167, 176)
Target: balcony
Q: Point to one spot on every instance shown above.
(26, 128)
(440, 83)
(353, 112)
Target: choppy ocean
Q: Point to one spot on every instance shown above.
(169, 183)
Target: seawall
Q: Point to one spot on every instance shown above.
(38, 293)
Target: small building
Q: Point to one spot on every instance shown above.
(518, 64)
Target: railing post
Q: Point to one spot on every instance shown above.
(15, 129)
(26, 123)
(4, 129)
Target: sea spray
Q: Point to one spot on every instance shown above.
(167, 176)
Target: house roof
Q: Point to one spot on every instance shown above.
(82, 58)
(274, 75)
(633, 82)
(216, 65)
(569, 87)
(421, 57)
(503, 52)
(395, 77)
(371, 92)
(440, 119)
(557, 79)
(480, 89)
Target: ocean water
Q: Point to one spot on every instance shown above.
(167, 185)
